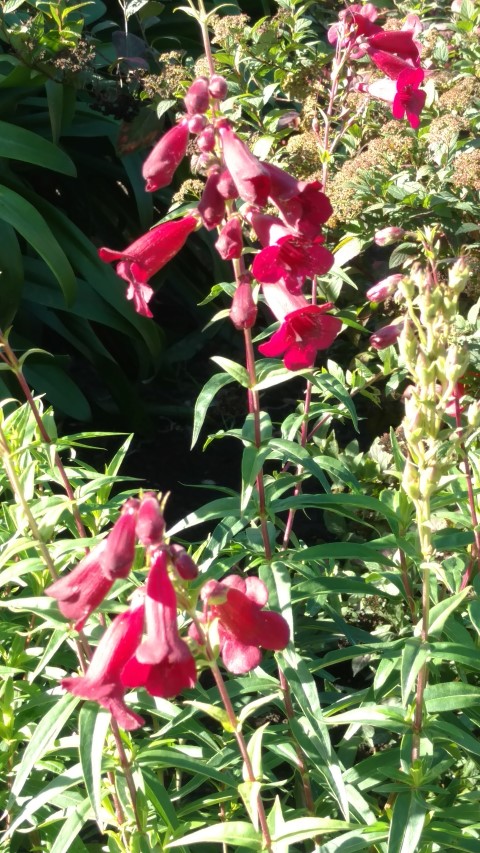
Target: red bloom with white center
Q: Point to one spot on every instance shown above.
(164, 159)
(163, 663)
(81, 591)
(305, 328)
(248, 174)
(243, 625)
(102, 681)
(302, 205)
(404, 94)
(146, 256)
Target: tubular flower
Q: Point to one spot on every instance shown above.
(404, 94)
(243, 311)
(102, 681)
(305, 328)
(243, 626)
(248, 174)
(146, 256)
(384, 288)
(81, 591)
(302, 205)
(386, 236)
(197, 98)
(400, 42)
(356, 21)
(230, 241)
(164, 159)
(163, 663)
(291, 260)
(211, 206)
(150, 525)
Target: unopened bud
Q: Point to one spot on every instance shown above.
(243, 311)
(384, 288)
(388, 235)
(150, 525)
(206, 140)
(218, 87)
(386, 337)
(230, 241)
(410, 481)
(458, 275)
(197, 99)
(117, 557)
(197, 123)
(185, 566)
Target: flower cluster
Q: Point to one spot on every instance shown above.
(395, 52)
(292, 245)
(142, 646)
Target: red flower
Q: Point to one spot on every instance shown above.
(400, 42)
(356, 21)
(163, 663)
(302, 205)
(211, 206)
(164, 159)
(150, 525)
(244, 627)
(384, 288)
(197, 99)
(305, 328)
(248, 174)
(404, 94)
(183, 562)
(390, 64)
(102, 680)
(146, 256)
(81, 591)
(230, 241)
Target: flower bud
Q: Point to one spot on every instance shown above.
(230, 242)
(386, 337)
(119, 551)
(211, 206)
(410, 481)
(197, 123)
(183, 563)
(162, 162)
(206, 140)
(197, 99)
(218, 87)
(388, 235)
(243, 311)
(150, 525)
(226, 186)
(384, 288)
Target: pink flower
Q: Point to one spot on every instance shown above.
(211, 206)
(302, 205)
(163, 663)
(81, 591)
(355, 21)
(150, 525)
(243, 311)
(102, 680)
(146, 256)
(305, 328)
(384, 288)
(230, 241)
(387, 336)
(218, 87)
(183, 563)
(248, 174)
(400, 42)
(390, 64)
(162, 162)
(386, 236)
(197, 98)
(244, 627)
(291, 260)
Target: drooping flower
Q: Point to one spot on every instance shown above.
(164, 159)
(386, 236)
(230, 240)
(302, 205)
(218, 87)
(305, 328)
(184, 564)
(244, 627)
(387, 336)
(146, 256)
(389, 63)
(102, 682)
(248, 174)
(81, 591)
(211, 206)
(197, 98)
(355, 21)
(384, 288)
(400, 42)
(162, 663)
(243, 311)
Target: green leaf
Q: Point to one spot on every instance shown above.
(16, 143)
(166, 757)
(341, 551)
(213, 711)
(236, 371)
(440, 612)
(204, 399)
(59, 784)
(414, 656)
(293, 452)
(451, 696)
(43, 737)
(303, 828)
(11, 274)
(93, 727)
(329, 383)
(71, 827)
(408, 819)
(62, 392)
(24, 217)
(252, 463)
(236, 832)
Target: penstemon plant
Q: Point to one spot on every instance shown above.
(288, 754)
